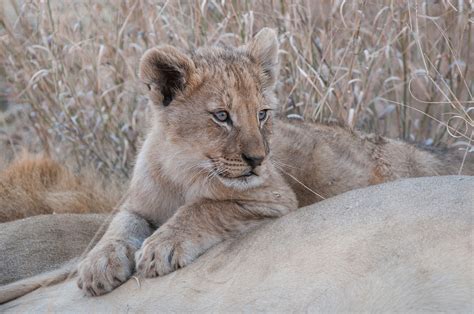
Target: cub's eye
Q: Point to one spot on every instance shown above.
(221, 116)
(262, 115)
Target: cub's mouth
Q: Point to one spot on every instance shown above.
(233, 170)
(247, 174)
(239, 176)
(249, 179)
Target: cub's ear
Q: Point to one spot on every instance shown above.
(166, 71)
(264, 49)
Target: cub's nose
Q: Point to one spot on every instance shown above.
(253, 161)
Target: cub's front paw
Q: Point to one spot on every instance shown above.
(163, 253)
(106, 267)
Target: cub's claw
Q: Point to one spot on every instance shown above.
(105, 268)
(163, 253)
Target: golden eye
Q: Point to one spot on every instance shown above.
(262, 115)
(222, 116)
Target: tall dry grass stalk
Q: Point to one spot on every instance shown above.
(397, 68)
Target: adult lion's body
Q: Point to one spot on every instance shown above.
(44, 243)
(404, 246)
(44, 249)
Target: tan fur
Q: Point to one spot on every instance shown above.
(51, 240)
(44, 249)
(35, 185)
(189, 177)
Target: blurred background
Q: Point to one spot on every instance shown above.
(69, 86)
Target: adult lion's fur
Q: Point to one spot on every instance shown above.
(36, 185)
(43, 243)
(404, 246)
(44, 249)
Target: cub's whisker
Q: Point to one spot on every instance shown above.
(283, 164)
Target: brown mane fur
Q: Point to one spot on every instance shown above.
(36, 185)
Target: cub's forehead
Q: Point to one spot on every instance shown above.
(231, 67)
(221, 60)
(230, 77)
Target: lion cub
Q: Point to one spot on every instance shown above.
(203, 173)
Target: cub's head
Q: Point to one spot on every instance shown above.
(213, 108)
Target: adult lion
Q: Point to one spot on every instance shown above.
(403, 246)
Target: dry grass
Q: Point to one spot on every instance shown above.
(397, 68)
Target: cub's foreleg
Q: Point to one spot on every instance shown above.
(195, 228)
(111, 262)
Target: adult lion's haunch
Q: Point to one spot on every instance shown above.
(214, 162)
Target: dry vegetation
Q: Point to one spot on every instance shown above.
(397, 68)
